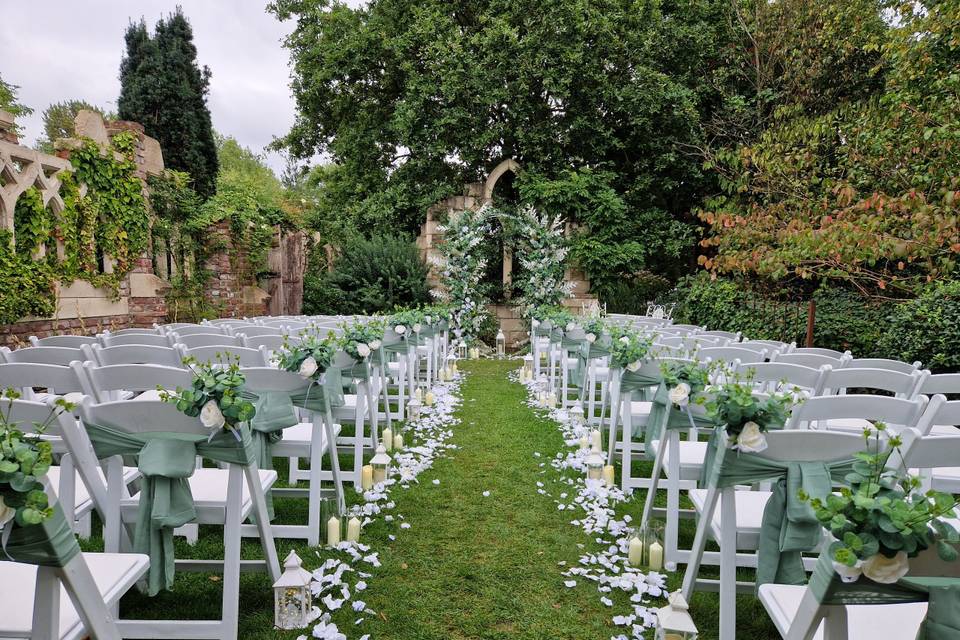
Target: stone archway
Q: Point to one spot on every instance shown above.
(507, 165)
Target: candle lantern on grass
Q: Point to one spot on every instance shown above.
(577, 416)
(292, 600)
(414, 408)
(381, 464)
(462, 350)
(674, 621)
(595, 463)
(501, 344)
(645, 547)
(527, 373)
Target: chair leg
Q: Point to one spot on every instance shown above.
(80, 586)
(728, 564)
(231, 554)
(626, 473)
(46, 605)
(672, 531)
(654, 480)
(263, 521)
(699, 543)
(335, 463)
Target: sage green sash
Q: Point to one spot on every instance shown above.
(166, 460)
(50, 543)
(589, 351)
(664, 415)
(941, 594)
(789, 525)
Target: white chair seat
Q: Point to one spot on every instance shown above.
(114, 573)
(864, 622)
(640, 408)
(601, 373)
(82, 502)
(692, 455)
(209, 489)
(945, 478)
(847, 424)
(299, 438)
(393, 367)
(750, 505)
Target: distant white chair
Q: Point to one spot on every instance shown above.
(62, 341)
(812, 360)
(883, 363)
(247, 357)
(195, 340)
(897, 413)
(133, 354)
(61, 356)
(152, 339)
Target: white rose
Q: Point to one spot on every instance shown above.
(625, 339)
(884, 570)
(634, 366)
(308, 367)
(571, 326)
(363, 350)
(399, 329)
(374, 345)
(848, 574)
(534, 322)
(680, 394)
(416, 328)
(6, 513)
(211, 416)
(427, 319)
(591, 338)
(751, 439)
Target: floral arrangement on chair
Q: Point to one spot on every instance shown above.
(407, 321)
(882, 520)
(361, 339)
(685, 380)
(25, 459)
(214, 396)
(629, 350)
(594, 328)
(747, 416)
(311, 358)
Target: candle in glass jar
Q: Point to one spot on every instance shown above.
(379, 474)
(656, 556)
(387, 438)
(366, 477)
(398, 441)
(428, 398)
(333, 531)
(608, 477)
(551, 399)
(353, 530)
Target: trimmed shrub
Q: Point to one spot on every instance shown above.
(927, 328)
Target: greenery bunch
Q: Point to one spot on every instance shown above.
(214, 396)
(883, 510)
(25, 459)
(738, 409)
(543, 254)
(462, 266)
(360, 339)
(409, 319)
(311, 357)
(695, 375)
(630, 348)
(595, 327)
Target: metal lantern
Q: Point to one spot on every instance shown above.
(577, 416)
(292, 600)
(543, 384)
(595, 463)
(462, 350)
(674, 621)
(381, 464)
(528, 367)
(413, 410)
(501, 344)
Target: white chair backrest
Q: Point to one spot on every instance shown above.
(28, 375)
(271, 342)
(730, 354)
(191, 330)
(924, 452)
(732, 336)
(940, 412)
(260, 379)
(133, 331)
(61, 356)
(256, 332)
(134, 354)
(152, 339)
(207, 340)
(769, 374)
(882, 363)
(945, 383)
(669, 341)
(667, 351)
(813, 360)
(74, 342)
(104, 383)
(895, 412)
(247, 357)
(811, 446)
(820, 351)
(692, 343)
(903, 385)
(140, 416)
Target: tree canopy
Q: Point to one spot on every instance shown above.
(164, 89)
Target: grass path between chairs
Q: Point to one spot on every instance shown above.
(469, 566)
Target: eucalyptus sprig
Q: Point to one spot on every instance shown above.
(310, 358)
(25, 459)
(629, 350)
(695, 375)
(361, 339)
(214, 396)
(882, 518)
(747, 416)
(407, 321)
(594, 327)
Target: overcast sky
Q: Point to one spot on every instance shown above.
(71, 49)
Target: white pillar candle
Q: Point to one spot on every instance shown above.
(584, 443)
(418, 394)
(455, 367)
(595, 439)
(429, 398)
(635, 551)
(398, 441)
(353, 530)
(366, 477)
(656, 556)
(608, 474)
(333, 531)
(387, 439)
(551, 400)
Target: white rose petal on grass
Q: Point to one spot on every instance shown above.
(437, 481)
(211, 416)
(569, 584)
(884, 570)
(486, 494)
(751, 439)
(680, 394)
(308, 367)
(404, 525)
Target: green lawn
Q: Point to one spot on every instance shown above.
(469, 566)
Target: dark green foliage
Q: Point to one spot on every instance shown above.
(164, 89)
(927, 328)
(368, 276)
(9, 103)
(632, 295)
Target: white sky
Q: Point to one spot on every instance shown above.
(71, 49)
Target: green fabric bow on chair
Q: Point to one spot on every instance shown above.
(50, 543)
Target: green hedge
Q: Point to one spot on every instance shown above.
(927, 328)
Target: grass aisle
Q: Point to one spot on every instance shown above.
(485, 567)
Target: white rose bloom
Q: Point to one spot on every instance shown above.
(571, 326)
(6, 513)
(680, 394)
(374, 345)
(211, 416)
(751, 439)
(848, 574)
(363, 350)
(884, 570)
(416, 328)
(308, 367)
(399, 329)
(534, 322)
(428, 319)
(634, 366)
(625, 339)
(591, 338)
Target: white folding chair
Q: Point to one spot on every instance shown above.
(196, 329)
(731, 355)
(153, 339)
(768, 376)
(946, 383)
(882, 363)
(60, 356)
(822, 411)
(74, 342)
(812, 360)
(197, 340)
(124, 381)
(245, 356)
(133, 354)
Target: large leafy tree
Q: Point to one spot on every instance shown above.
(163, 88)
(413, 98)
(10, 103)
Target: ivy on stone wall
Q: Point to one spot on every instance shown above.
(106, 221)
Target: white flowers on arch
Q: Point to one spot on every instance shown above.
(543, 256)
